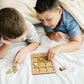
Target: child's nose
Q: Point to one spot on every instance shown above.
(45, 23)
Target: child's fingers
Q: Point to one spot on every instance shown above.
(58, 38)
(61, 35)
(53, 55)
(14, 64)
(20, 60)
(5, 41)
(16, 60)
(1, 39)
(23, 61)
(50, 55)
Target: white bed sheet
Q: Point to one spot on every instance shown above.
(73, 61)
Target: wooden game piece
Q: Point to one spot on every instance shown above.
(41, 59)
(41, 64)
(9, 71)
(62, 68)
(15, 69)
(36, 64)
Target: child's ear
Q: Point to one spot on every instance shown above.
(59, 9)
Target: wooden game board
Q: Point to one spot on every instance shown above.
(40, 65)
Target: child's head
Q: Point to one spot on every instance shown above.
(49, 12)
(12, 24)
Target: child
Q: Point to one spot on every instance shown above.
(57, 21)
(13, 28)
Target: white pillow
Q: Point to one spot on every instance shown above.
(76, 9)
(25, 7)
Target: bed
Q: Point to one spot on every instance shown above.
(73, 61)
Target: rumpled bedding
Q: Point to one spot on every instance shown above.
(73, 61)
(26, 8)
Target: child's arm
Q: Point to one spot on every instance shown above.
(50, 34)
(74, 44)
(56, 36)
(5, 47)
(21, 55)
(3, 50)
(33, 39)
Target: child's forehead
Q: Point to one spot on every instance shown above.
(46, 14)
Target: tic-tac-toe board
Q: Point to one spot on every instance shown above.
(40, 64)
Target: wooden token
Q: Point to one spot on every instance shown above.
(62, 68)
(9, 71)
(15, 69)
(36, 64)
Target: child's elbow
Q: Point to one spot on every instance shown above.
(79, 45)
(1, 57)
(37, 44)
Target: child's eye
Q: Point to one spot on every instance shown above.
(41, 20)
(49, 19)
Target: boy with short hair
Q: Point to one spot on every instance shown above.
(13, 28)
(57, 21)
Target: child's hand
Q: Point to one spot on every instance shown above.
(7, 42)
(20, 57)
(58, 36)
(52, 52)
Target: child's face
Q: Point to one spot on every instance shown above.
(21, 38)
(50, 18)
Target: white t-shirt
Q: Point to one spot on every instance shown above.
(32, 35)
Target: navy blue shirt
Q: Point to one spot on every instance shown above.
(67, 25)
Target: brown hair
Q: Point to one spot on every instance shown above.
(44, 5)
(12, 23)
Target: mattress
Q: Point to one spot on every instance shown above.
(73, 61)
